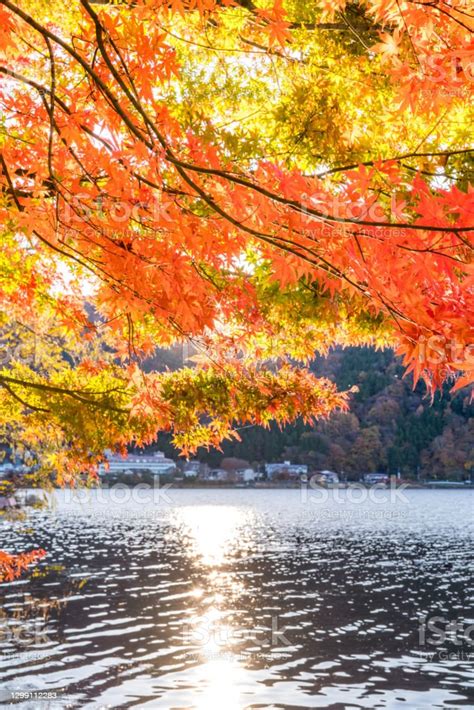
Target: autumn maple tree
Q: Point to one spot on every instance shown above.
(260, 179)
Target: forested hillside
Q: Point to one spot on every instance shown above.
(390, 426)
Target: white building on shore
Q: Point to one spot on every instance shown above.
(155, 464)
(192, 469)
(285, 469)
(327, 477)
(246, 475)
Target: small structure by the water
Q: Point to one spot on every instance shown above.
(217, 474)
(155, 464)
(192, 469)
(374, 478)
(285, 470)
(327, 477)
(246, 475)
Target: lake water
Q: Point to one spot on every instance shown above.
(223, 599)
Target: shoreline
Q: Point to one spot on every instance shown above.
(296, 485)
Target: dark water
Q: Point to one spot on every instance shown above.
(243, 599)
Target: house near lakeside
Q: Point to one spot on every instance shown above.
(285, 470)
(217, 474)
(327, 477)
(246, 475)
(223, 475)
(374, 478)
(155, 464)
(192, 469)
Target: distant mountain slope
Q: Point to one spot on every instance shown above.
(390, 426)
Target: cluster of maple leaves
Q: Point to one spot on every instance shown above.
(105, 193)
(12, 566)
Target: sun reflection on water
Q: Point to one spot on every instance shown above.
(213, 536)
(212, 530)
(222, 680)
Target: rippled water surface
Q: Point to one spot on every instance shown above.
(230, 599)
